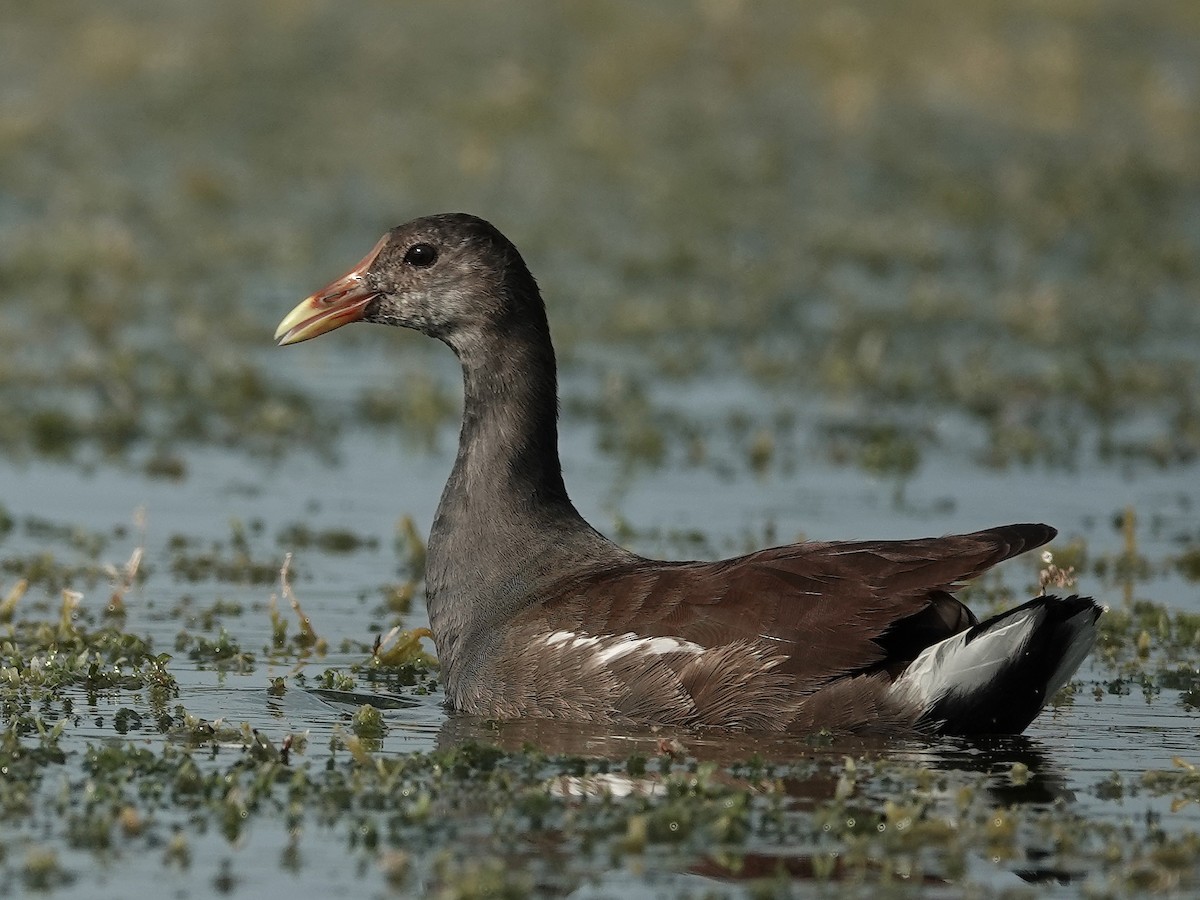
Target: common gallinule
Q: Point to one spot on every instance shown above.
(535, 613)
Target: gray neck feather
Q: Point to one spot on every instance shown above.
(505, 528)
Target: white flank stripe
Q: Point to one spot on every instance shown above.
(577, 640)
(558, 637)
(622, 645)
(655, 646)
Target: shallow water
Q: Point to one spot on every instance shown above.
(1070, 751)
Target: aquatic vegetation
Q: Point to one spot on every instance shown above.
(410, 547)
(300, 536)
(223, 653)
(862, 817)
(401, 648)
(829, 819)
(417, 406)
(231, 561)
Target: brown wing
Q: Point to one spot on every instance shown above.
(829, 608)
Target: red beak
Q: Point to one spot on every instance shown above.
(335, 305)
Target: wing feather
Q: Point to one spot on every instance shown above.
(829, 609)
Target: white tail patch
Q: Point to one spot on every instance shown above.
(953, 665)
(960, 668)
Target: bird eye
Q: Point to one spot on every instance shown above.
(421, 255)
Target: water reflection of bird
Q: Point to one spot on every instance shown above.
(811, 774)
(535, 614)
(831, 777)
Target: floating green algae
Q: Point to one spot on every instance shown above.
(986, 217)
(893, 816)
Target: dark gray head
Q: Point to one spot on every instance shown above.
(452, 276)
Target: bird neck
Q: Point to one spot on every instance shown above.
(505, 529)
(508, 447)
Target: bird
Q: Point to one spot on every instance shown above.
(536, 614)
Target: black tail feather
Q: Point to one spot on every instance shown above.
(1059, 636)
